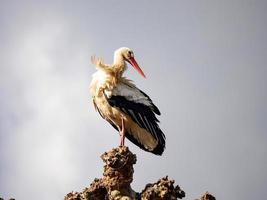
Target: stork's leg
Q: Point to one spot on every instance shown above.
(122, 133)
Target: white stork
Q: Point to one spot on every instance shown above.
(123, 105)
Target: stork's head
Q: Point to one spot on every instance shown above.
(128, 55)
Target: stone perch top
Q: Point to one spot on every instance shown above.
(118, 168)
(117, 178)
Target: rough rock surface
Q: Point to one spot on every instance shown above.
(117, 178)
(163, 189)
(207, 196)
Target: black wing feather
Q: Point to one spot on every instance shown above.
(153, 107)
(144, 116)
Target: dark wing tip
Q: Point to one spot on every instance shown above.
(158, 150)
(156, 110)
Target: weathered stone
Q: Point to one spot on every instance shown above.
(163, 189)
(207, 196)
(117, 178)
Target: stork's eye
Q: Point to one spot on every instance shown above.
(130, 53)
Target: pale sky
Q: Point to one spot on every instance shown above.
(206, 68)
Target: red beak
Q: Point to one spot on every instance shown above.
(136, 67)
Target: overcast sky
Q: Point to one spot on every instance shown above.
(206, 67)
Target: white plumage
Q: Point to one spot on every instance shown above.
(124, 106)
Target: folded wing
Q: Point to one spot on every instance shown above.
(136, 104)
